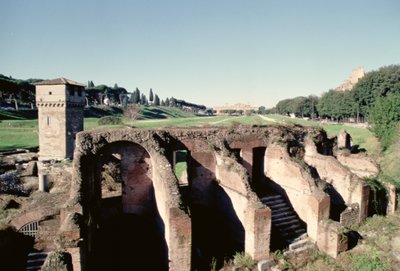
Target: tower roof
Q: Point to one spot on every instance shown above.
(59, 81)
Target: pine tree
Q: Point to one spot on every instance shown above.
(167, 102)
(135, 98)
(156, 100)
(162, 103)
(90, 84)
(143, 99)
(151, 95)
(172, 102)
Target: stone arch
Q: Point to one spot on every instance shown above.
(160, 183)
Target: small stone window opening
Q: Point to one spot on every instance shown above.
(50, 93)
(71, 91)
(180, 165)
(48, 121)
(30, 229)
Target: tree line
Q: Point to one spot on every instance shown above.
(118, 95)
(16, 92)
(375, 97)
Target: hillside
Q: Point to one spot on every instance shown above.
(148, 112)
(23, 91)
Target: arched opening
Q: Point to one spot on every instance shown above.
(126, 231)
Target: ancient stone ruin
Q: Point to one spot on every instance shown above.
(246, 189)
(355, 76)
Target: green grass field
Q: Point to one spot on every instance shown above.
(23, 133)
(360, 136)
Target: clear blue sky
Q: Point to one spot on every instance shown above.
(210, 52)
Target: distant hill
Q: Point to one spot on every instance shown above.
(148, 112)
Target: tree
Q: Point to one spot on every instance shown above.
(172, 102)
(385, 116)
(261, 110)
(156, 100)
(376, 84)
(162, 103)
(135, 98)
(90, 84)
(167, 102)
(151, 96)
(143, 99)
(336, 104)
(132, 111)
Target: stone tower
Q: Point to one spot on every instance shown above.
(60, 105)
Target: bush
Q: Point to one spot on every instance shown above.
(132, 111)
(109, 120)
(11, 184)
(243, 260)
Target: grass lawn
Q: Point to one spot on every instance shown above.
(23, 133)
(360, 136)
(16, 134)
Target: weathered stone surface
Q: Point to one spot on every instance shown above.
(221, 175)
(359, 164)
(350, 216)
(348, 84)
(265, 265)
(350, 187)
(343, 140)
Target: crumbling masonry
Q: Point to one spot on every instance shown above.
(251, 189)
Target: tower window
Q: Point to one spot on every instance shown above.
(48, 121)
(50, 93)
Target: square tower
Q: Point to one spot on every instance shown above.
(60, 104)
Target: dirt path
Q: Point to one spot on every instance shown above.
(268, 119)
(220, 121)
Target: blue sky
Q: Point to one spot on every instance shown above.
(211, 52)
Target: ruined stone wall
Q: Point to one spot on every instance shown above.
(359, 164)
(350, 187)
(253, 215)
(212, 168)
(311, 204)
(175, 221)
(74, 115)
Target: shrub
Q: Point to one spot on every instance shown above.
(132, 111)
(11, 184)
(243, 260)
(109, 120)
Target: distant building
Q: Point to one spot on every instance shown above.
(60, 105)
(223, 110)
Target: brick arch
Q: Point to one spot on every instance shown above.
(85, 189)
(136, 170)
(33, 215)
